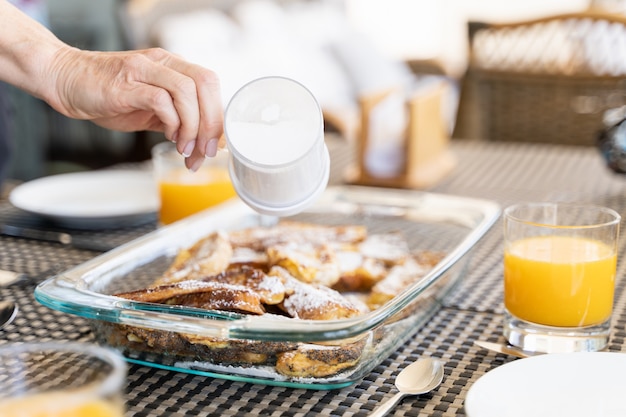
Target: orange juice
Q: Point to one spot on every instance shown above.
(59, 404)
(559, 281)
(185, 194)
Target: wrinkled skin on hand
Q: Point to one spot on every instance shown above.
(150, 89)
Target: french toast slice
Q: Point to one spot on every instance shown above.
(401, 276)
(312, 301)
(200, 294)
(208, 256)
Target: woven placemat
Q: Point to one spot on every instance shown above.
(449, 336)
(505, 173)
(151, 392)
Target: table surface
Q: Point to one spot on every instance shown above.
(503, 172)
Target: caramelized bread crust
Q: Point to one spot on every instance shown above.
(208, 256)
(300, 271)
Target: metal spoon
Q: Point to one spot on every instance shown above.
(8, 311)
(420, 377)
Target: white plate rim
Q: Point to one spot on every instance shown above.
(91, 196)
(572, 384)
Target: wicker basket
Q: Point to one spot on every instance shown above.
(558, 96)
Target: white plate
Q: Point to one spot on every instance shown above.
(94, 199)
(569, 384)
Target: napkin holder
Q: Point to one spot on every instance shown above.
(425, 151)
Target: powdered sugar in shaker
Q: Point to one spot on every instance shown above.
(274, 131)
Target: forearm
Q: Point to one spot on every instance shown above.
(27, 52)
(150, 89)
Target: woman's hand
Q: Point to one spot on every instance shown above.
(150, 89)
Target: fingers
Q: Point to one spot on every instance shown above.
(211, 115)
(201, 115)
(159, 101)
(143, 90)
(183, 100)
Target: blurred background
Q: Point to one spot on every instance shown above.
(343, 50)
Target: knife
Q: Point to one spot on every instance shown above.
(56, 237)
(9, 278)
(506, 349)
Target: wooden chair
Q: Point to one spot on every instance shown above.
(544, 80)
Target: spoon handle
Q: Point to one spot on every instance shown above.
(387, 406)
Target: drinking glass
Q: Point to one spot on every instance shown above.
(51, 379)
(182, 192)
(559, 276)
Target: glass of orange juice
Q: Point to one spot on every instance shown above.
(182, 192)
(559, 276)
(53, 379)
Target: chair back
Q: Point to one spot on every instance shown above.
(544, 80)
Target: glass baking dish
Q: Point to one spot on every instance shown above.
(434, 222)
